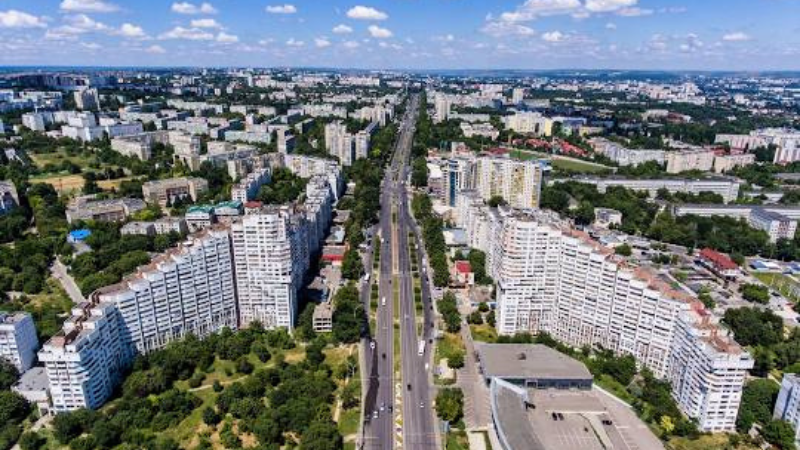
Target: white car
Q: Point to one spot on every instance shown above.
(383, 301)
(372, 345)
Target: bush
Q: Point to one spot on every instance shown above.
(211, 417)
(243, 365)
(31, 441)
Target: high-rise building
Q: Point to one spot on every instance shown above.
(457, 175)
(270, 249)
(188, 290)
(87, 99)
(517, 96)
(787, 407)
(442, 106)
(18, 341)
(518, 182)
(555, 279)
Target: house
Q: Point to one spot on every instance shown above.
(719, 263)
(462, 273)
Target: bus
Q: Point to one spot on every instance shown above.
(421, 347)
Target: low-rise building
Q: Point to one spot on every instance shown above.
(166, 192)
(606, 217)
(728, 188)
(718, 263)
(112, 210)
(323, 318)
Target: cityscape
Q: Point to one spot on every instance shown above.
(441, 225)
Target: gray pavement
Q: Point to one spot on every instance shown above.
(59, 271)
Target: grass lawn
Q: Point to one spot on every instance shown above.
(457, 440)
(450, 344)
(784, 284)
(578, 166)
(483, 333)
(615, 387)
(348, 421)
(717, 441)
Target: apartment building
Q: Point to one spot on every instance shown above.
(626, 156)
(786, 141)
(319, 211)
(726, 163)
(728, 188)
(776, 225)
(247, 188)
(309, 166)
(165, 192)
(457, 175)
(86, 359)
(113, 210)
(87, 99)
(707, 369)
(9, 199)
(552, 278)
(441, 105)
(187, 290)
(787, 407)
(683, 161)
(346, 146)
(529, 123)
(18, 341)
(270, 248)
(779, 221)
(518, 182)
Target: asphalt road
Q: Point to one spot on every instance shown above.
(379, 402)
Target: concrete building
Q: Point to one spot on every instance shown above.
(785, 140)
(114, 210)
(517, 96)
(87, 99)
(728, 188)
(441, 105)
(707, 369)
(777, 225)
(555, 279)
(458, 174)
(166, 192)
(626, 156)
(271, 256)
(606, 218)
(18, 341)
(9, 199)
(683, 161)
(309, 166)
(518, 182)
(529, 123)
(779, 221)
(787, 406)
(323, 318)
(247, 188)
(726, 163)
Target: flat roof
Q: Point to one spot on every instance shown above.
(529, 361)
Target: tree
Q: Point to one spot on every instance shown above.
(352, 266)
(496, 200)
(8, 374)
(31, 441)
(758, 400)
(491, 319)
(780, 434)
(475, 318)
(211, 417)
(13, 407)
(623, 250)
(450, 404)
(456, 360)
(755, 293)
(322, 435)
(751, 326)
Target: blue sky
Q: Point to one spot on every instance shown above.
(417, 34)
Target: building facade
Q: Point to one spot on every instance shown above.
(18, 341)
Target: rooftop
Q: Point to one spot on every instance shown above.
(529, 361)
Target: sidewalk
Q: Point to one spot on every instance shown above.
(59, 271)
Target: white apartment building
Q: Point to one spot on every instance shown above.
(479, 129)
(552, 278)
(779, 221)
(682, 161)
(786, 140)
(18, 341)
(625, 156)
(728, 188)
(777, 225)
(247, 188)
(707, 369)
(517, 95)
(518, 182)
(271, 256)
(87, 99)
(346, 146)
(457, 174)
(309, 166)
(319, 210)
(787, 407)
(441, 104)
(726, 163)
(529, 123)
(86, 359)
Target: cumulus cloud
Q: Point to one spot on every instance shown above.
(608, 5)
(189, 34)
(504, 28)
(95, 6)
(205, 23)
(366, 13)
(553, 36)
(191, 8)
(611, 26)
(19, 19)
(342, 29)
(226, 38)
(736, 36)
(281, 9)
(292, 42)
(156, 50)
(130, 30)
(379, 33)
(322, 42)
(634, 12)
(351, 44)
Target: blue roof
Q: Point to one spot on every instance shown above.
(758, 265)
(80, 235)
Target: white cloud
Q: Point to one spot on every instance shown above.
(95, 6)
(281, 9)
(91, 46)
(553, 36)
(342, 29)
(292, 42)
(226, 38)
(611, 26)
(18, 19)
(191, 8)
(131, 31)
(366, 13)
(532, 9)
(504, 28)
(736, 36)
(85, 23)
(379, 33)
(190, 34)
(156, 49)
(205, 23)
(322, 42)
(351, 44)
(608, 5)
(634, 12)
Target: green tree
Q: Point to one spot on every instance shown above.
(8, 374)
(623, 250)
(450, 404)
(755, 293)
(31, 441)
(758, 401)
(780, 434)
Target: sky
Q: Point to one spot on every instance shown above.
(749, 35)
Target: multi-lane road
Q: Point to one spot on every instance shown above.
(398, 412)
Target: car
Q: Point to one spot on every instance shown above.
(384, 356)
(375, 414)
(372, 345)
(421, 404)
(408, 386)
(383, 301)
(383, 406)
